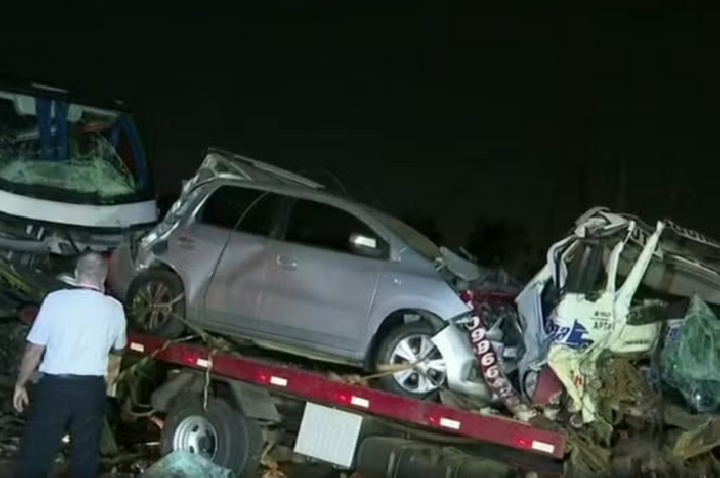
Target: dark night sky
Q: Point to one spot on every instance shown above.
(493, 113)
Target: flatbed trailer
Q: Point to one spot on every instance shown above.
(331, 428)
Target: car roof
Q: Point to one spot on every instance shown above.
(322, 195)
(261, 175)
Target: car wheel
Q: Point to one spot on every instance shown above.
(155, 301)
(216, 432)
(411, 344)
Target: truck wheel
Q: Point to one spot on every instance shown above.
(406, 344)
(218, 433)
(153, 304)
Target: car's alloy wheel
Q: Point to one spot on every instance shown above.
(153, 305)
(156, 304)
(408, 348)
(428, 373)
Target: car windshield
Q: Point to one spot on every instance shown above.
(412, 238)
(57, 150)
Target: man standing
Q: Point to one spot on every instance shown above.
(76, 329)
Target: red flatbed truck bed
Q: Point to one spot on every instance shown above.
(313, 387)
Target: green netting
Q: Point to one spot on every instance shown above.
(182, 464)
(99, 171)
(691, 363)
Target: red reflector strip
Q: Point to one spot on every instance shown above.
(543, 447)
(189, 359)
(195, 360)
(354, 400)
(310, 386)
(201, 362)
(534, 445)
(273, 379)
(445, 422)
(360, 402)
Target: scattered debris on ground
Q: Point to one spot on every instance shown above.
(633, 367)
(181, 464)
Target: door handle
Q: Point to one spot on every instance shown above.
(185, 241)
(285, 262)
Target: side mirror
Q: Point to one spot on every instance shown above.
(367, 245)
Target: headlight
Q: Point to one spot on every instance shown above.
(462, 320)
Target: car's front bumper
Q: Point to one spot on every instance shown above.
(462, 371)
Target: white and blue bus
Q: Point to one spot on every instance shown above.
(73, 172)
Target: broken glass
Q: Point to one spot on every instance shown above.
(54, 149)
(99, 171)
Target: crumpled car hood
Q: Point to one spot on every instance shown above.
(676, 239)
(685, 261)
(474, 276)
(459, 266)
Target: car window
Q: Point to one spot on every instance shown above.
(228, 203)
(320, 225)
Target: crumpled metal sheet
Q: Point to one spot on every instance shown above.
(183, 464)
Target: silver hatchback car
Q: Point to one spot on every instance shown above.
(258, 253)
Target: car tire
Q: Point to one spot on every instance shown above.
(239, 440)
(171, 327)
(386, 350)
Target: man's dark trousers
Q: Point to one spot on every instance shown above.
(63, 403)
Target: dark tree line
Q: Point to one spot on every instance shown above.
(423, 222)
(494, 243)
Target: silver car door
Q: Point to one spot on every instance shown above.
(243, 219)
(321, 286)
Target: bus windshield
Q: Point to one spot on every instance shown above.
(58, 150)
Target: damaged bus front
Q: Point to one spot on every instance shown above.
(73, 174)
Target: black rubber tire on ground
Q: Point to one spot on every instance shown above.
(239, 439)
(385, 347)
(171, 328)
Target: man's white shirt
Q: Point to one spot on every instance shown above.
(78, 328)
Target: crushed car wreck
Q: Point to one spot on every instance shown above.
(607, 327)
(615, 335)
(256, 252)
(612, 287)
